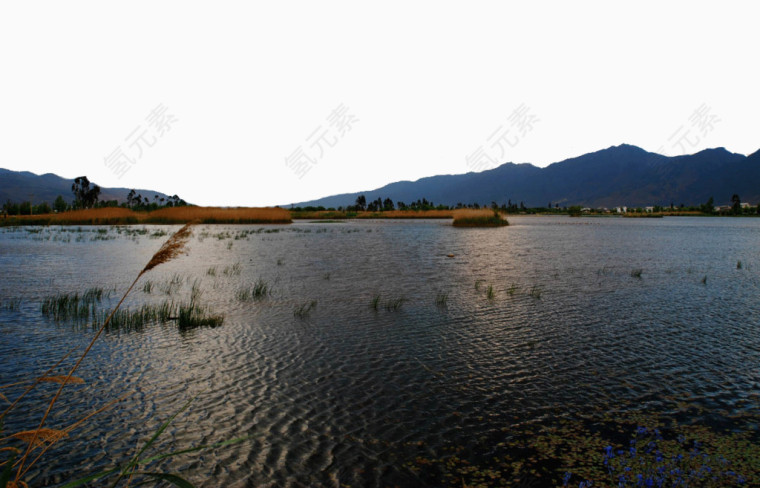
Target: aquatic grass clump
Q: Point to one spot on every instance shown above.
(441, 300)
(738, 265)
(192, 315)
(147, 287)
(233, 270)
(171, 285)
(535, 292)
(636, 273)
(73, 306)
(391, 304)
(211, 271)
(512, 289)
(137, 319)
(394, 304)
(302, 311)
(490, 293)
(11, 305)
(260, 289)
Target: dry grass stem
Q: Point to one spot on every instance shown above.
(167, 252)
(40, 436)
(170, 249)
(63, 379)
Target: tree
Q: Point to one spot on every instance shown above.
(84, 195)
(707, 208)
(361, 202)
(60, 204)
(131, 198)
(736, 204)
(388, 204)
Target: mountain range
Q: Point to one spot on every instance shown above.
(23, 186)
(623, 175)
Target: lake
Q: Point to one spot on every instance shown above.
(378, 359)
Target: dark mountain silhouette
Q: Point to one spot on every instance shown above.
(619, 175)
(23, 186)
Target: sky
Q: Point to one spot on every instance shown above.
(270, 103)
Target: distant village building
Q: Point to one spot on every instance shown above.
(649, 209)
(621, 209)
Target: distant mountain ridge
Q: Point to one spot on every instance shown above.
(623, 175)
(23, 186)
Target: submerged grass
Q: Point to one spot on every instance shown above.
(441, 299)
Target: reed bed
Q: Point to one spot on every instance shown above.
(467, 217)
(217, 215)
(171, 215)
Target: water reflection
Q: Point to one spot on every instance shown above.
(350, 394)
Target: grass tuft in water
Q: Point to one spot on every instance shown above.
(257, 291)
(147, 287)
(512, 289)
(375, 303)
(394, 304)
(211, 271)
(704, 280)
(490, 293)
(738, 265)
(192, 315)
(73, 306)
(12, 305)
(535, 292)
(302, 311)
(636, 273)
(171, 285)
(233, 270)
(441, 300)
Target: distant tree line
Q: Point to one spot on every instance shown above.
(382, 205)
(87, 195)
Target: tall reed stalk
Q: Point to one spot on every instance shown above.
(168, 251)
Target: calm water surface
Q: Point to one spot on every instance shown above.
(351, 395)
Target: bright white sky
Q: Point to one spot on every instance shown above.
(425, 84)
